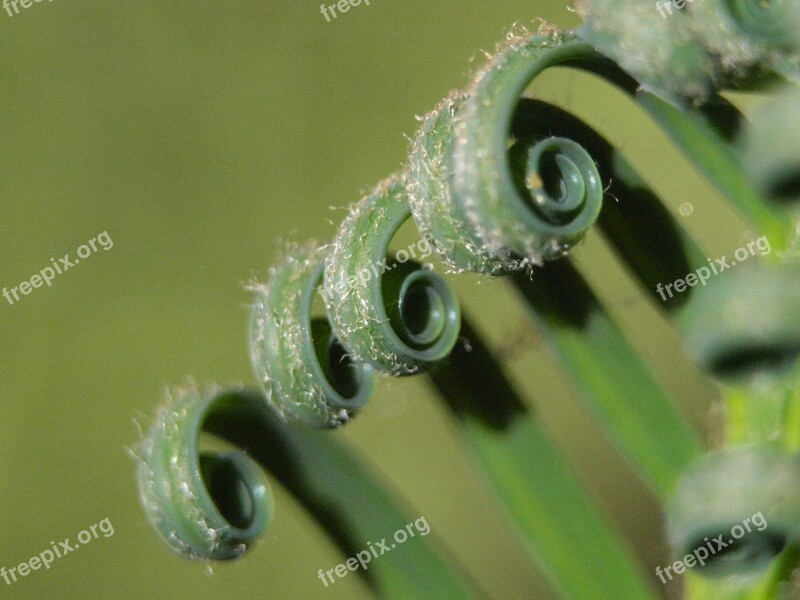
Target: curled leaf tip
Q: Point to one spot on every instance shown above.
(771, 150)
(388, 311)
(733, 335)
(492, 202)
(662, 53)
(742, 504)
(306, 373)
(206, 506)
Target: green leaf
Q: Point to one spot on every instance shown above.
(564, 531)
(701, 138)
(617, 387)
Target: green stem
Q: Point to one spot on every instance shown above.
(619, 389)
(699, 137)
(767, 410)
(560, 524)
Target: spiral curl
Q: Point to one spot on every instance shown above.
(542, 196)
(204, 505)
(748, 33)
(399, 318)
(306, 373)
(723, 491)
(771, 151)
(561, 197)
(685, 55)
(733, 336)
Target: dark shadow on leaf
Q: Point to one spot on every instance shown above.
(472, 383)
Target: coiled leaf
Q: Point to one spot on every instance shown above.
(306, 373)
(746, 322)
(772, 150)
(204, 505)
(397, 317)
(742, 505)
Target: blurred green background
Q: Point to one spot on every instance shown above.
(201, 137)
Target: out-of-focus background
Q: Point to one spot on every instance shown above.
(201, 136)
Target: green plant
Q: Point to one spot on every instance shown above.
(505, 185)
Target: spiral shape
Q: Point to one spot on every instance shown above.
(740, 504)
(655, 43)
(730, 331)
(773, 22)
(561, 197)
(771, 151)
(390, 313)
(204, 505)
(750, 35)
(486, 208)
(306, 373)
(550, 194)
(688, 54)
